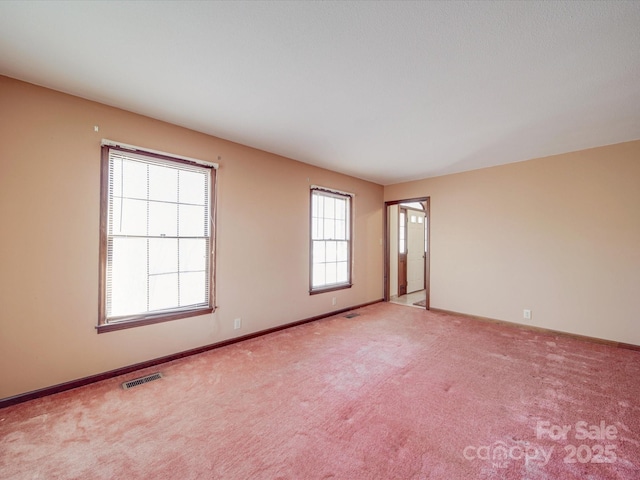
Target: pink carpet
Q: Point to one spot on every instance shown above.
(395, 393)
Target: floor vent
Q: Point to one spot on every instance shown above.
(351, 315)
(139, 381)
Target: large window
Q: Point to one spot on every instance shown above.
(156, 248)
(330, 240)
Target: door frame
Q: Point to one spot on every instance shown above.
(387, 246)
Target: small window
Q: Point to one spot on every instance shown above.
(402, 232)
(156, 248)
(330, 240)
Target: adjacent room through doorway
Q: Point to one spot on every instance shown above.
(407, 252)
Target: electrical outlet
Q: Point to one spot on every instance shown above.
(237, 323)
(526, 313)
(334, 301)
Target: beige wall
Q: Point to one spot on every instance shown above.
(558, 235)
(49, 212)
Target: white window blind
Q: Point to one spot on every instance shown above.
(158, 239)
(330, 239)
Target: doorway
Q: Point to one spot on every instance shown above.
(407, 252)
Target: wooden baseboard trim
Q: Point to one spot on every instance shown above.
(62, 387)
(584, 338)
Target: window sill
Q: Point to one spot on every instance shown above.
(140, 321)
(331, 288)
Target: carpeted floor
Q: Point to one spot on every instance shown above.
(394, 393)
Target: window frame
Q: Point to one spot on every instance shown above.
(149, 318)
(323, 191)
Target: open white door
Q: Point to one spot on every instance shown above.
(415, 250)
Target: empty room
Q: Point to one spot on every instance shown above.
(320, 240)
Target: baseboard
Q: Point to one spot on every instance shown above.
(584, 338)
(62, 387)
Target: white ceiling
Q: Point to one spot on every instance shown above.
(385, 91)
